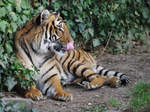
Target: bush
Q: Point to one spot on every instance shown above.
(12, 15)
(91, 22)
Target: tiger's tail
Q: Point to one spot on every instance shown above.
(122, 78)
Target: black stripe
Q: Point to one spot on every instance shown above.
(100, 72)
(90, 75)
(66, 58)
(56, 32)
(33, 48)
(61, 30)
(97, 66)
(46, 31)
(50, 31)
(53, 23)
(79, 55)
(47, 89)
(26, 50)
(122, 75)
(83, 70)
(68, 66)
(116, 73)
(48, 71)
(105, 73)
(71, 64)
(75, 68)
(58, 68)
(49, 78)
(61, 59)
(46, 59)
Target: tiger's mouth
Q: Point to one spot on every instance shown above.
(59, 48)
(70, 46)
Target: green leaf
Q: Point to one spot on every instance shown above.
(112, 17)
(8, 47)
(25, 4)
(123, 1)
(81, 27)
(116, 6)
(10, 83)
(64, 13)
(3, 12)
(136, 13)
(139, 1)
(56, 6)
(13, 26)
(24, 18)
(102, 33)
(18, 9)
(26, 12)
(1, 3)
(9, 7)
(91, 31)
(13, 16)
(12, 1)
(3, 25)
(96, 42)
(145, 12)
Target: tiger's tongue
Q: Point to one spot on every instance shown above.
(70, 45)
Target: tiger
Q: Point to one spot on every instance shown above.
(45, 43)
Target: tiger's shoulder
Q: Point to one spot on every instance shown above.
(22, 30)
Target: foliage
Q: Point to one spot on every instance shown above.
(13, 13)
(91, 22)
(140, 98)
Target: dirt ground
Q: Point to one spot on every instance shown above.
(136, 64)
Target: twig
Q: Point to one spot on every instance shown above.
(110, 35)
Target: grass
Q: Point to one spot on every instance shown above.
(113, 102)
(96, 108)
(140, 97)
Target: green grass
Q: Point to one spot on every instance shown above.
(113, 102)
(96, 108)
(141, 96)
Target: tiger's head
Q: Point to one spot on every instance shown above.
(53, 32)
(45, 32)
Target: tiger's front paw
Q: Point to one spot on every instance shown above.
(34, 94)
(63, 96)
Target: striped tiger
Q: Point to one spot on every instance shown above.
(44, 43)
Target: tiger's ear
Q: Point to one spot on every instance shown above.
(43, 17)
(56, 13)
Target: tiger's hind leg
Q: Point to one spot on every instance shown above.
(91, 79)
(113, 78)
